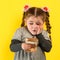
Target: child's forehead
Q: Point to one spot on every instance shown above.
(35, 18)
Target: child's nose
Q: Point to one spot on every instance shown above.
(35, 26)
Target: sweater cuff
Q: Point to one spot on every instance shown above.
(40, 37)
(15, 45)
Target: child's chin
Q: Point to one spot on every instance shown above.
(33, 33)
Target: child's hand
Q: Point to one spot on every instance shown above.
(26, 46)
(39, 30)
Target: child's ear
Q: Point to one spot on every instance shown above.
(25, 21)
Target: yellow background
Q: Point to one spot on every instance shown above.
(10, 19)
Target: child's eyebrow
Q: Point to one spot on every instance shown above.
(30, 21)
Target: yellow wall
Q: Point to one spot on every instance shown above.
(10, 19)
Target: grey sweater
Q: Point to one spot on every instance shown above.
(20, 35)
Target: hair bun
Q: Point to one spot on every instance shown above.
(45, 9)
(26, 7)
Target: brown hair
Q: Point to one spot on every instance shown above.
(34, 11)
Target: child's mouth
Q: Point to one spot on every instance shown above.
(34, 31)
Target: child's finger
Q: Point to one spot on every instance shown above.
(29, 46)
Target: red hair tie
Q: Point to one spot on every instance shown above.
(26, 7)
(45, 9)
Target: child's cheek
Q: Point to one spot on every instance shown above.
(41, 26)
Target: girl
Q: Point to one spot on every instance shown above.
(32, 26)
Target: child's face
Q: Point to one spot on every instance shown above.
(34, 24)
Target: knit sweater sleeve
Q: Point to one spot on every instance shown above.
(16, 41)
(44, 43)
(15, 45)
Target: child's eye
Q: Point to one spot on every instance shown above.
(38, 23)
(31, 23)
